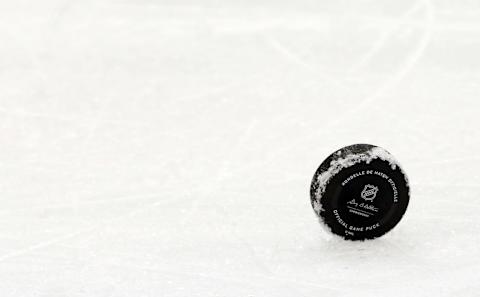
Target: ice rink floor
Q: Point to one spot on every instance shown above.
(166, 148)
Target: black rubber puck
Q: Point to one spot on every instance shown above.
(360, 192)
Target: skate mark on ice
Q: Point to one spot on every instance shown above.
(384, 37)
(79, 120)
(90, 203)
(410, 63)
(448, 161)
(38, 246)
(87, 231)
(220, 175)
(290, 55)
(234, 279)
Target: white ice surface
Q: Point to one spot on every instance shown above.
(166, 148)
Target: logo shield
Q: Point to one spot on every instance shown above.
(369, 193)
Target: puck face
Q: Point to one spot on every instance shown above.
(360, 192)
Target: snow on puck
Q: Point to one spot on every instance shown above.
(360, 192)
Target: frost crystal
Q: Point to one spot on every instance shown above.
(349, 160)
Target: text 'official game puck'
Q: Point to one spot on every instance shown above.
(360, 192)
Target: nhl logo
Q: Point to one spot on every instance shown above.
(369, 193)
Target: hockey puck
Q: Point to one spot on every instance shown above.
(360, 192)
